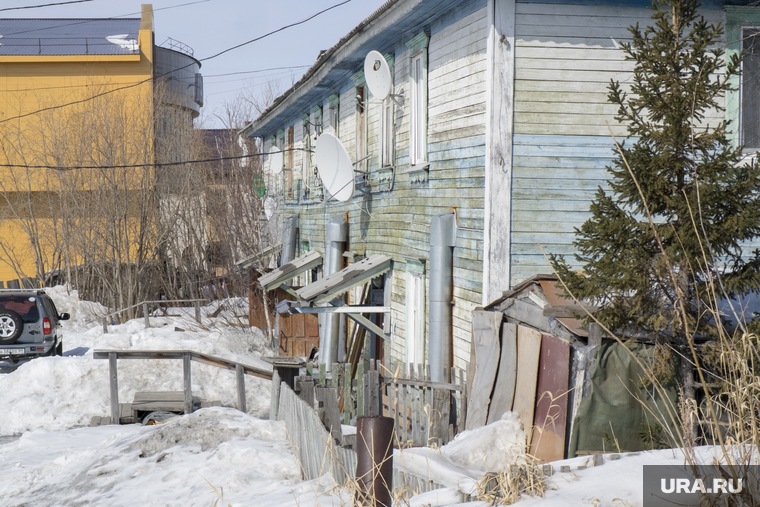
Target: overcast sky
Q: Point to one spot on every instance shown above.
(211, 26)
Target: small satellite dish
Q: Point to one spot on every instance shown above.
(377, 74)
(275, 160)
(270, 205)
(334, 166)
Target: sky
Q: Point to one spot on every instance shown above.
(211, 26)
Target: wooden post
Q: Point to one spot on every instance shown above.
(328, 396)
(372, 393)
(305, 387)
(240, 387)
(274, 402)
(188, 388)
(145, 313)
(197, 305)
(438, 431)
(114, 388)
(360, 390)
(347, 404)
(594, 334)
(105, 324)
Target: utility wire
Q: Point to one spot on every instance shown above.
(96, 85)
(147, 164)
(45, 5)
(50, 108)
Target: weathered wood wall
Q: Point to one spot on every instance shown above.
(565, 57)
(397, 222)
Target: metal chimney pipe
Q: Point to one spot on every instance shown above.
(289, 239)
(443, 235)
(337, 235)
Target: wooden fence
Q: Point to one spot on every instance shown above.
(318, 451)
(425, 412)
(311, 442)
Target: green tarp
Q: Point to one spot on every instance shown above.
(610, 411)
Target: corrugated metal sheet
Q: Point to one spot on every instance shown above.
(291, 270)
(68, 36)
(337, 283)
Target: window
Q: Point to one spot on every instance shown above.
(333, 113)
(306, 153)
(386, 153)
(289, 164)
(418, 99)
(361, 126)
(415, 316)
(316, 130)
(742, 107)
(750, 89)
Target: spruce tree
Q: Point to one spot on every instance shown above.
(685, 166)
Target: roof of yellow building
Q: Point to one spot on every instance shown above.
(50, 37)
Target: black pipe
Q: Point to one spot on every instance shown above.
(374, 461)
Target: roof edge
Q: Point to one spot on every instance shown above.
(321, 60)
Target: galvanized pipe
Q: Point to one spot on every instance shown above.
(289, 239)
(337, 235)
(443, 235)
(374, 461)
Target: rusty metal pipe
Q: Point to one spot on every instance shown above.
(374, 461)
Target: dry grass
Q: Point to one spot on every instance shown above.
(505, 488)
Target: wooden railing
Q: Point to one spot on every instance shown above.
(186, 356)
(162, 303)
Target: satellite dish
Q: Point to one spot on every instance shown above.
(270, 205)
(377, 74)
(275, 160)
(334, 166)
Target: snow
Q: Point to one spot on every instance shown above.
(49, 455)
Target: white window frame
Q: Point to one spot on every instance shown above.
(386, 133)
(418, 108)
(415, 316)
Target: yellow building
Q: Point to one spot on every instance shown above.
(85, 93)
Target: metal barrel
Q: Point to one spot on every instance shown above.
(374, 461)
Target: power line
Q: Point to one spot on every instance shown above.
(106, 84)
(147, 164)
(45, 5)
(50, 108)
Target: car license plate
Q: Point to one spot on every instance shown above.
(15, 351)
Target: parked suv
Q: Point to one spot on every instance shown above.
(29, 325)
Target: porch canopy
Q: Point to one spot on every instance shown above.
(292, 269)
(327, 290)
(344, 280)
(259, 258)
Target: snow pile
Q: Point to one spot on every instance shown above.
(491, 448)
(172, 464)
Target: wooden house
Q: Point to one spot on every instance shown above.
(498, 119)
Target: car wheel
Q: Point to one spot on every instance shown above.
(10, 327)
(59, 348)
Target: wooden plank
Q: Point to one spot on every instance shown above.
(485, 338)
(504, 388)
(372, 394)
(438, 431)
(528, 353)
(274, 402)
(548, 441)
(328, 396)
(499, 135)
(240, 387)
(114, 386)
